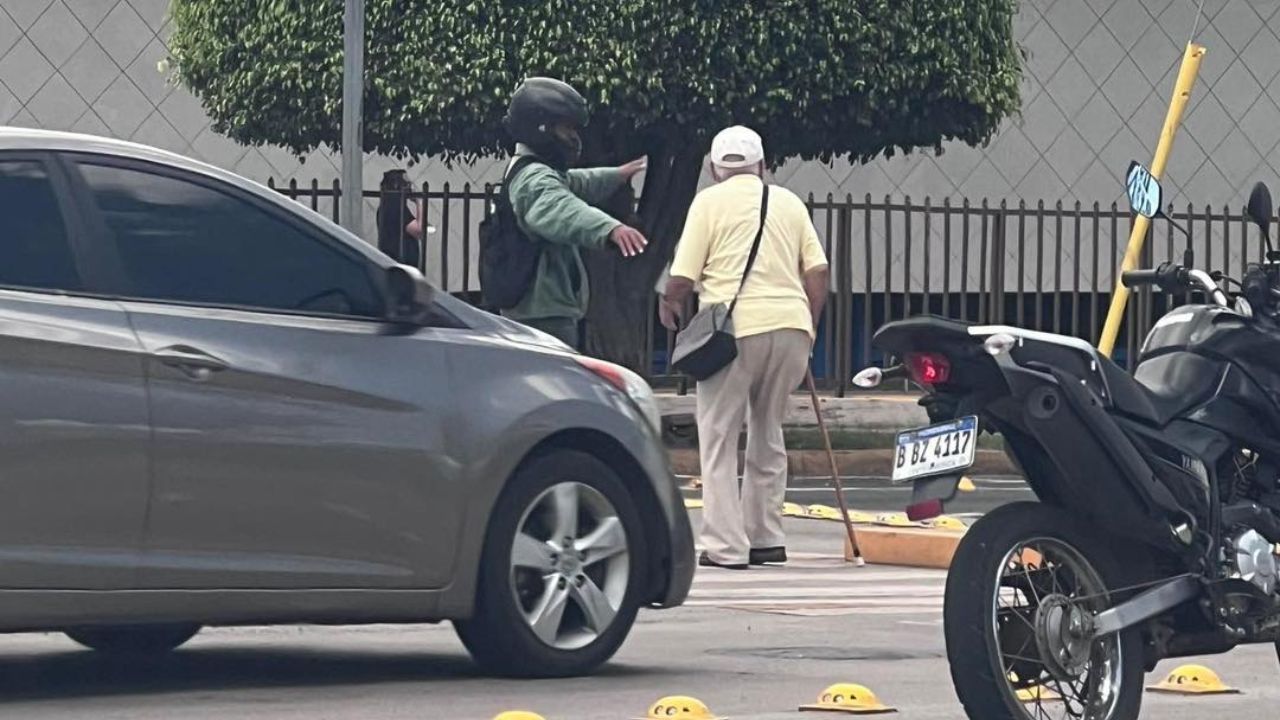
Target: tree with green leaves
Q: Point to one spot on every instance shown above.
(818, 79)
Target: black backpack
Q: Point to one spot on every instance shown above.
(508, 257)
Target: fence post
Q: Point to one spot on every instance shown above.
(928, 240)
(964, 262)
(1000, 243)
(888, 260)
(1039, 265)
(1057, 265)
(1075, 294)
(868, 290)
(1022, 264)
(946, 256)
(444, 238)
(1095, 301)
(831, 329)
(466, 258)
(984, 260)
(844, 318)
(906, 257)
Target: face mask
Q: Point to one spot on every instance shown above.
(569, 143)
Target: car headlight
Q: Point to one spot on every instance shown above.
(631, 384)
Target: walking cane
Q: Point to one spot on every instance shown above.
(835, 470)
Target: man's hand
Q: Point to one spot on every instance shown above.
(633, 168)
(629, 240)
(671, 306)
(668, 316)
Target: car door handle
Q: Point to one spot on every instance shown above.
(196, 364)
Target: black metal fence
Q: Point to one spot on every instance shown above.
(1048, 267)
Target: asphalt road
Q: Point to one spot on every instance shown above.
(803, 627)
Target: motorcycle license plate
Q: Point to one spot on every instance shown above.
(935, 450)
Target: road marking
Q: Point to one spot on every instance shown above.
(852, 576)
(821, 586)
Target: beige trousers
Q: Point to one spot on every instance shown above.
(754, 388)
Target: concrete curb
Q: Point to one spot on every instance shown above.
(911, 547)
(875, 413)
(887, 538)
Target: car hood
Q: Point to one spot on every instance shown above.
(505, 328)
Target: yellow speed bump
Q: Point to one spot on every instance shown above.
(966, 485)
(946, 522)
(1035, 693)
(1193, 680)
(680, 707)
(693, 503)
(849, 698)
(823, 512)
(790, 509)
(1038, 693)
(857, 516)
(518, 715)
(894, 519)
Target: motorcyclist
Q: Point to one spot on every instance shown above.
(554, 204)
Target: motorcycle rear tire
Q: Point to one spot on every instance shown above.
(977, 667)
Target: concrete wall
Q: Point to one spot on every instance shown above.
(1098, 78)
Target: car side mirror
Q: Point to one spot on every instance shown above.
(409, 295)
(1259, 208)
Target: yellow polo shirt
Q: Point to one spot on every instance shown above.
(715, 244)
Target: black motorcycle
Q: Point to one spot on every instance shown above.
(1159, 492)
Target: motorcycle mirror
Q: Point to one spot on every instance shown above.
(1146, 197)
(1259, 208)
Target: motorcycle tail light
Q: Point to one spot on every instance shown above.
(926, 510)
(929, 368)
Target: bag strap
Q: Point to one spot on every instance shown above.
(522, 162)
(755, 249)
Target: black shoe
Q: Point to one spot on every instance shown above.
(705, 561)
(765, 556)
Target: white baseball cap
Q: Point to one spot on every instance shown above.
(737, 147)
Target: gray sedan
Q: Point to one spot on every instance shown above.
(219, 408)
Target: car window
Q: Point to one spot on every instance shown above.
(184, 242)
(35, 251)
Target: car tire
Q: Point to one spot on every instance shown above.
(134, 639)
(515, 595)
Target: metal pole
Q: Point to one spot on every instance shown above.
(353, 117)
(1181, 93)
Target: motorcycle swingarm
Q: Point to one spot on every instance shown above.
(1144, 606)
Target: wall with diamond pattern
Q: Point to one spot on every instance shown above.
(1097, 82)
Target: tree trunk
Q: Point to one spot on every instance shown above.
(622, 311)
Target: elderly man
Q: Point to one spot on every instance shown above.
(774, 323)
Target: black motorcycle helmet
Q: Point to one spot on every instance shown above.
(537, 106)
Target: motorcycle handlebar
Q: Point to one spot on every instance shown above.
(1171, 278)
(1138, 278)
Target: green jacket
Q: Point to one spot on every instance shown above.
(556, 207)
